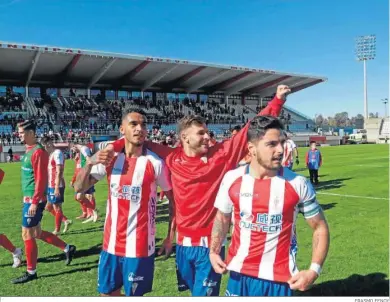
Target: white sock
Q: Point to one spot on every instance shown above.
(66, 248)
(31, 272)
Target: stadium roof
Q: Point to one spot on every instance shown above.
(34, 65)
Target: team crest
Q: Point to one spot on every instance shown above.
(209, 291)
(134, 287)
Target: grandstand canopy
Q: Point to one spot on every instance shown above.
(58, 67)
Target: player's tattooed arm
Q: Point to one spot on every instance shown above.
(219, 232)
(84, 180)
(320, 238)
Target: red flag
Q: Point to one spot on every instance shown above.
(2, 173)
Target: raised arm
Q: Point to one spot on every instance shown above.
(236, 147)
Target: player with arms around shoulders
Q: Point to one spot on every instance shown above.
(197, 171)
(56, 184)
(127, 258)
(266, 199)
(34, 171)
(87, 198)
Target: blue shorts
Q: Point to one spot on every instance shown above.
(32, 221)
(51, 198)
(91, 190)
(194, 271)
(242, 285)
(134, 274)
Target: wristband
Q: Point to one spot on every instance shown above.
(316, 267)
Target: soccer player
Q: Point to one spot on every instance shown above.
(34, 184)
(17, 253)
(56, 185)
(127, 258)
(290, 150)
(84, 209)
(196, 173)
(266, 199)
(313, 162)
(87, 198)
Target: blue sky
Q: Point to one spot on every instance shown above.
(302, 36)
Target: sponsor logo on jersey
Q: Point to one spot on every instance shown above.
(246, 216)
(133, 277)
(152, 214)
(127, 192)
(209, 283)
(229, 294)
(268, 223)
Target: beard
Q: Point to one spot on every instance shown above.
(268, 164)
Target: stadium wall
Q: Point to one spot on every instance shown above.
(372, 127)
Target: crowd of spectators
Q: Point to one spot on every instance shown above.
(79, 116)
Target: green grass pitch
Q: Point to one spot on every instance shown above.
(353, 191)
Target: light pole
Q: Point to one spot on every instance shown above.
(365, 50)
(385, 101)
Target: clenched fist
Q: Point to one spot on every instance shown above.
(282, 91)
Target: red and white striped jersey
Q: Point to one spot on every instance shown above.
(55, 159)
(263, 242)
(289, 147)
(129, 229)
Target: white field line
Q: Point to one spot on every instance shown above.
(352, 196)
(368, 165)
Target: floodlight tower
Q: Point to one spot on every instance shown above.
(365, 50)
(385, 101)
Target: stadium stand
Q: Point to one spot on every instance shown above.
(92, 103)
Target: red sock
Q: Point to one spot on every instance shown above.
(59, 217)
(4, 242)
(64, 218)
(52, 239)
(83, 209)
(93, 203)
(162, 195)
(31, 249)
(88, 204)
(52, 212)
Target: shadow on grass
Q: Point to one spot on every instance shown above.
(82, 269)
(374, 284)
(328, 206)
(90, 230)
(331, 184)
(94, 250)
